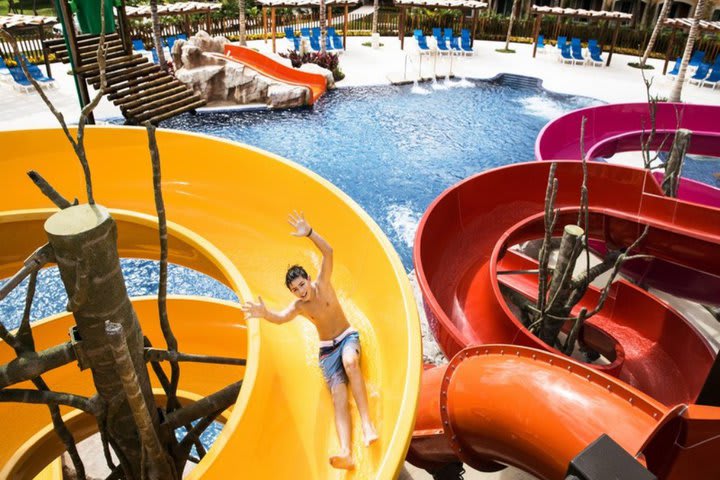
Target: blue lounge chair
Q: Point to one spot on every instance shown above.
(4, 70)
(700, 74)
(541, 43)
(565, 55)
(713, 78)
(315, 32)
(441, 46)
(465, 33)
(448, 33)
(466, 46)
(315, 43)
(138, 45)
(422, 45)
(289, 32)
(36, 74)
(21, 81)
(561, 43)
(296, 43)
(154, 54)
(456, 48)
(182, 36)
(592, 43)
(697, 58)
(417, 33)
(170, 40)
(337, 43)
(437, 32)
(331, 32)
(676, 67)
(577, 53)
(305, 32)
(596, 57)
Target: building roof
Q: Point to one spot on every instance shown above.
(19, 21)
(579, 12)
(304, 3)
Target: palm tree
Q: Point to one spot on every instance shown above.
(241, 17)
(658, 25)
(510, 25)
(676, 91)
(376, 9)
(157, 33)
(323, 31)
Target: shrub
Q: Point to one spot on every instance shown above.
(329, 61)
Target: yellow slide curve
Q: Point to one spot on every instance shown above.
(226, 204)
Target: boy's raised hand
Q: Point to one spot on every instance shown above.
(298, 222)
(254, 310)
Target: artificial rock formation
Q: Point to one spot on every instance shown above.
(224, 83)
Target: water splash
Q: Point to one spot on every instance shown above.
(543, 107)
(438, 86)
(418, 90)
(404, 221)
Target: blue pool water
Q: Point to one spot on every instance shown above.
(393, 151)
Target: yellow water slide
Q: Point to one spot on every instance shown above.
(227, 205)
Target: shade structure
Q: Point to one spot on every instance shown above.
(273, 4)
(179, 8)
(676, 24)
(22, 21)
(473, 5)
(560, 12)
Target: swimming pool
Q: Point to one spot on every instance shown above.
(394, 151)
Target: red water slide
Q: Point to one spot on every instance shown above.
(277, 71)
(502, 408)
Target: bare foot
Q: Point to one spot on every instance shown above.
(369, 434)
(342, 461)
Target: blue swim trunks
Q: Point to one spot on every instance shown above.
(331, 362)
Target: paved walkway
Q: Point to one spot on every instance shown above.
(366, 66)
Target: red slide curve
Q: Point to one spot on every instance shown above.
(277, 71)
(509, 397)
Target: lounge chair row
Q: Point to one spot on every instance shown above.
(20, 81)
(445, 42)
(169, 41)
(333, 42)
(572, 52)
(704, 74)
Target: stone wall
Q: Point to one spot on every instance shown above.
(223, 83)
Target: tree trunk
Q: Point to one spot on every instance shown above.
(676, 91)
(658, 25)
(376, 9)
(635, 13)
(241, 17)
(84, 240)
(323, 28)
(560, 286)
(674, 164)
(510, 25)
(157, 33)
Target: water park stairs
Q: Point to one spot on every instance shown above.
(142, 90)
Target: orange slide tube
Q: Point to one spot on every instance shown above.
(277, 71)
(497, 405)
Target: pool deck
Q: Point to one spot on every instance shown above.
(365, 66)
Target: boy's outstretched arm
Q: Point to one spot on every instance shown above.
(259, 310)
(303, 229)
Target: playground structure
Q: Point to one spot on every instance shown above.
(239, 237)
(538, 410)
(265, 65)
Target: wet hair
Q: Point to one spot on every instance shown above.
(294, 272)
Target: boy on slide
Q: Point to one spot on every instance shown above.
(339, 341)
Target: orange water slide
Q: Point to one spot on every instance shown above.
(498, 405)
(277, 71)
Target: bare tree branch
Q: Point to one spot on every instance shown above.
(31, 364)
(550, 218)
(38, 259)
(157, 355)
(49, 191)
(219, 400)
(22, 395)
(170, 339)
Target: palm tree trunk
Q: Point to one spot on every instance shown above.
(157, 34)
(510, 25)
(241, 17)
(323, 30)
(376, 9)
(676, 91)
(658, 25)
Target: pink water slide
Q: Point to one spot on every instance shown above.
(621, 127)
